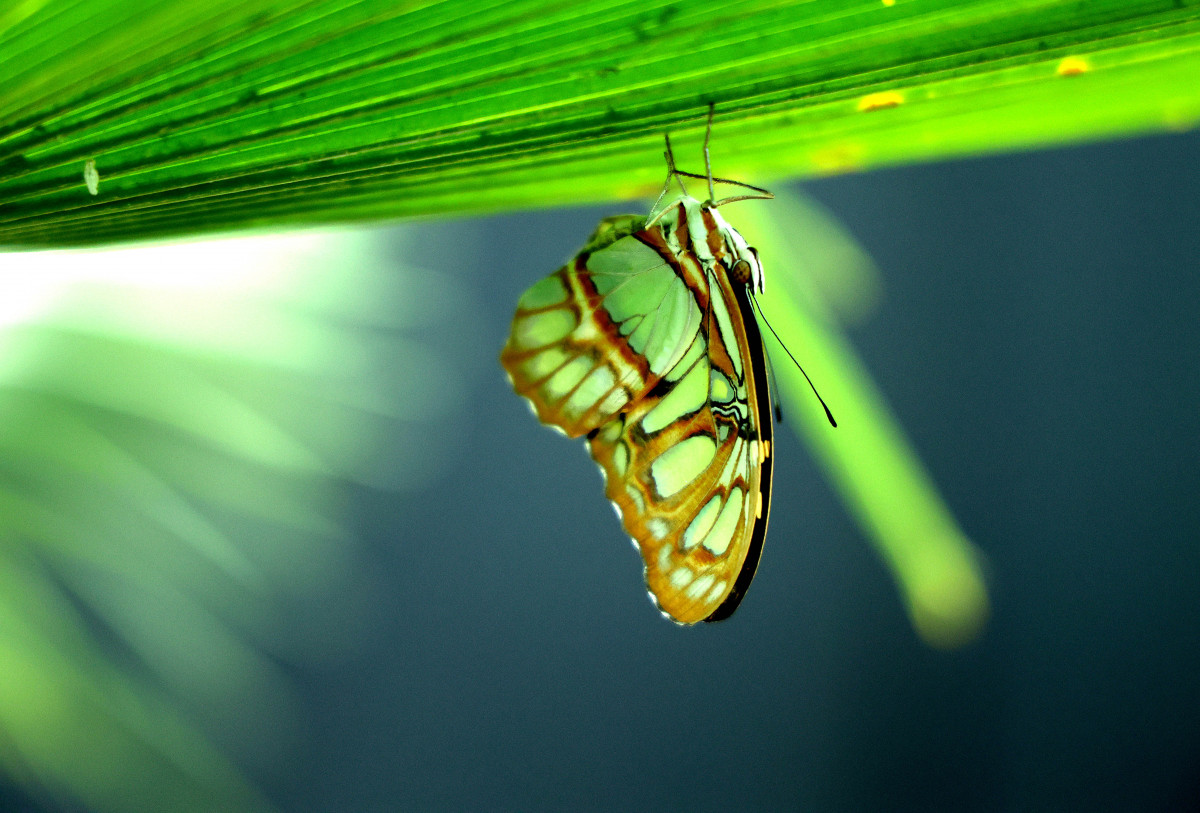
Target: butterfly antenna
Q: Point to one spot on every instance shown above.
(812, 386)
(763, 193)
(708, 174)
(669, 157)
(673, 174)
(672, 170)
(776, 403)
(712, 196)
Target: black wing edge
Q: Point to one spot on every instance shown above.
(762, 390)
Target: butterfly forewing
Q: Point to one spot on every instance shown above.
(599, 333)
(644, 344)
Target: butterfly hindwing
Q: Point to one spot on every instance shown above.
(689, 465)
(644, 344)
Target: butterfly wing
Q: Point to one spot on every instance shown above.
(689, 466)
(643, 344)
(599, 333)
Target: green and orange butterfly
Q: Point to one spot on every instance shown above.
(646, 344)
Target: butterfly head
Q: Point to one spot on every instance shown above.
(742, 262)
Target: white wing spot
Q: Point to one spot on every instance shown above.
(703, 522)
(681, 577)
(700, 586)
(664, 558)
(682, 463)
(620, 459)
(658, 527)
(720, 537)
(635, 497)
(593, 388)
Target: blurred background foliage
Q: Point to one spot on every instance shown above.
(823, 280)
(175, 423)
(178, 423)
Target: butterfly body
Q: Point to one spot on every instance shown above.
(645, 343)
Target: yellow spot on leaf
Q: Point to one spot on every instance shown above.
(843, 157)
(889, 2)
(879, 101)
(1073, 66)
(1179, 117)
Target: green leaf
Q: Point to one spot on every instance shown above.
(819, 276)
(192, 117)
(173, 454)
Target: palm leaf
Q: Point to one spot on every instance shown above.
(194, 117)
(822, 280)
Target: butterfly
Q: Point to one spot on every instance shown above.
(646, 345)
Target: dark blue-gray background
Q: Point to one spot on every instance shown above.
(1037, 338)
